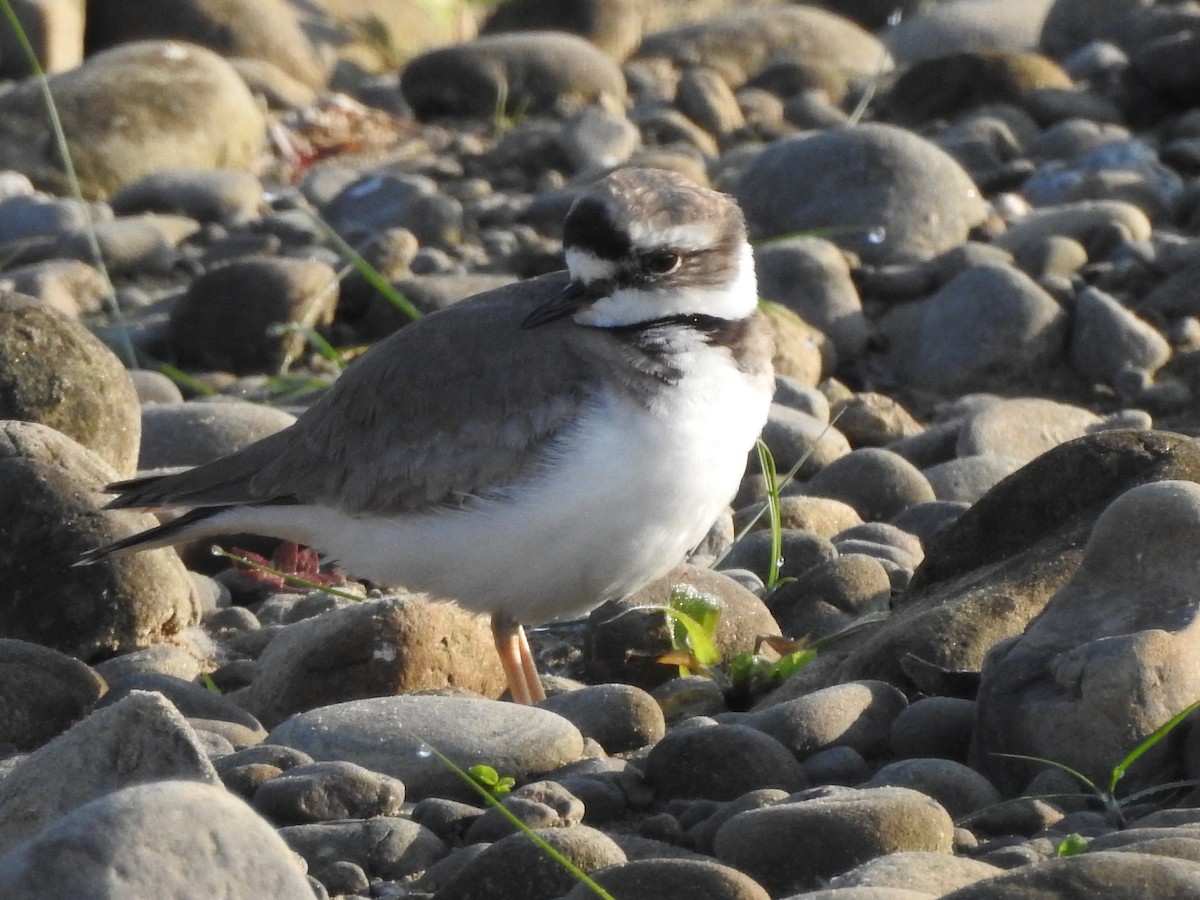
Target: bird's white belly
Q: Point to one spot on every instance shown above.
(629, 494)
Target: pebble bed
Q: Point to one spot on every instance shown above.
(976, 236)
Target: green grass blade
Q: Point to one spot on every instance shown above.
(183, 379)
(1055, 764)
(1157, 735)
(288, 578)
(577, 873)
(315, 340)
(767, 462)
(360, 264)
(73, 185)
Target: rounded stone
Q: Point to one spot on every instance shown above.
(55, 372)
(135, 109)
(191, 434)
(876, 482)
(527, 71)
(693, 762)
(393, 736)
(42, 693)
(797, 845)
(673, 879)
(896, 197)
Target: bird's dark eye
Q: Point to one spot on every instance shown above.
(661, 262)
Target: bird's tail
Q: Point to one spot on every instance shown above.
(179, 529)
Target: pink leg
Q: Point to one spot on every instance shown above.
(517, 660)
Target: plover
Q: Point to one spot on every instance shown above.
(535, 450)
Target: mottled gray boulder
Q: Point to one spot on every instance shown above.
(141, 738)
(167, 839)
(527, 71)
(1114, 654)
(994, 568)
(49, 515)
(890, 195)
(132, 110)
(54, 371)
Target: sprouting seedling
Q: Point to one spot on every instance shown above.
(1071, 845)
(72, 176)
(694, 616)
(489, 797)
(767, 462)
(290, 578)
(1114, 806)
(491, 779)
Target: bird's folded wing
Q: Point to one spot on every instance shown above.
(460, 403)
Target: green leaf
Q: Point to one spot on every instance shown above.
(210, 684)
(1071, 845)
(694, 616)
(791, 663)
(1157, 735)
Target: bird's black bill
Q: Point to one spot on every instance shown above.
(572, 298)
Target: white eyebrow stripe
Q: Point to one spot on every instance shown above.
(690, 236)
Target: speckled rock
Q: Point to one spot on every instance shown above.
(374, 648)
(48, 516)
(53, 371)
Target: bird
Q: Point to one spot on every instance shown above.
(530, 452)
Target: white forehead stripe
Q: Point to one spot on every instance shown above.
(588, 267)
